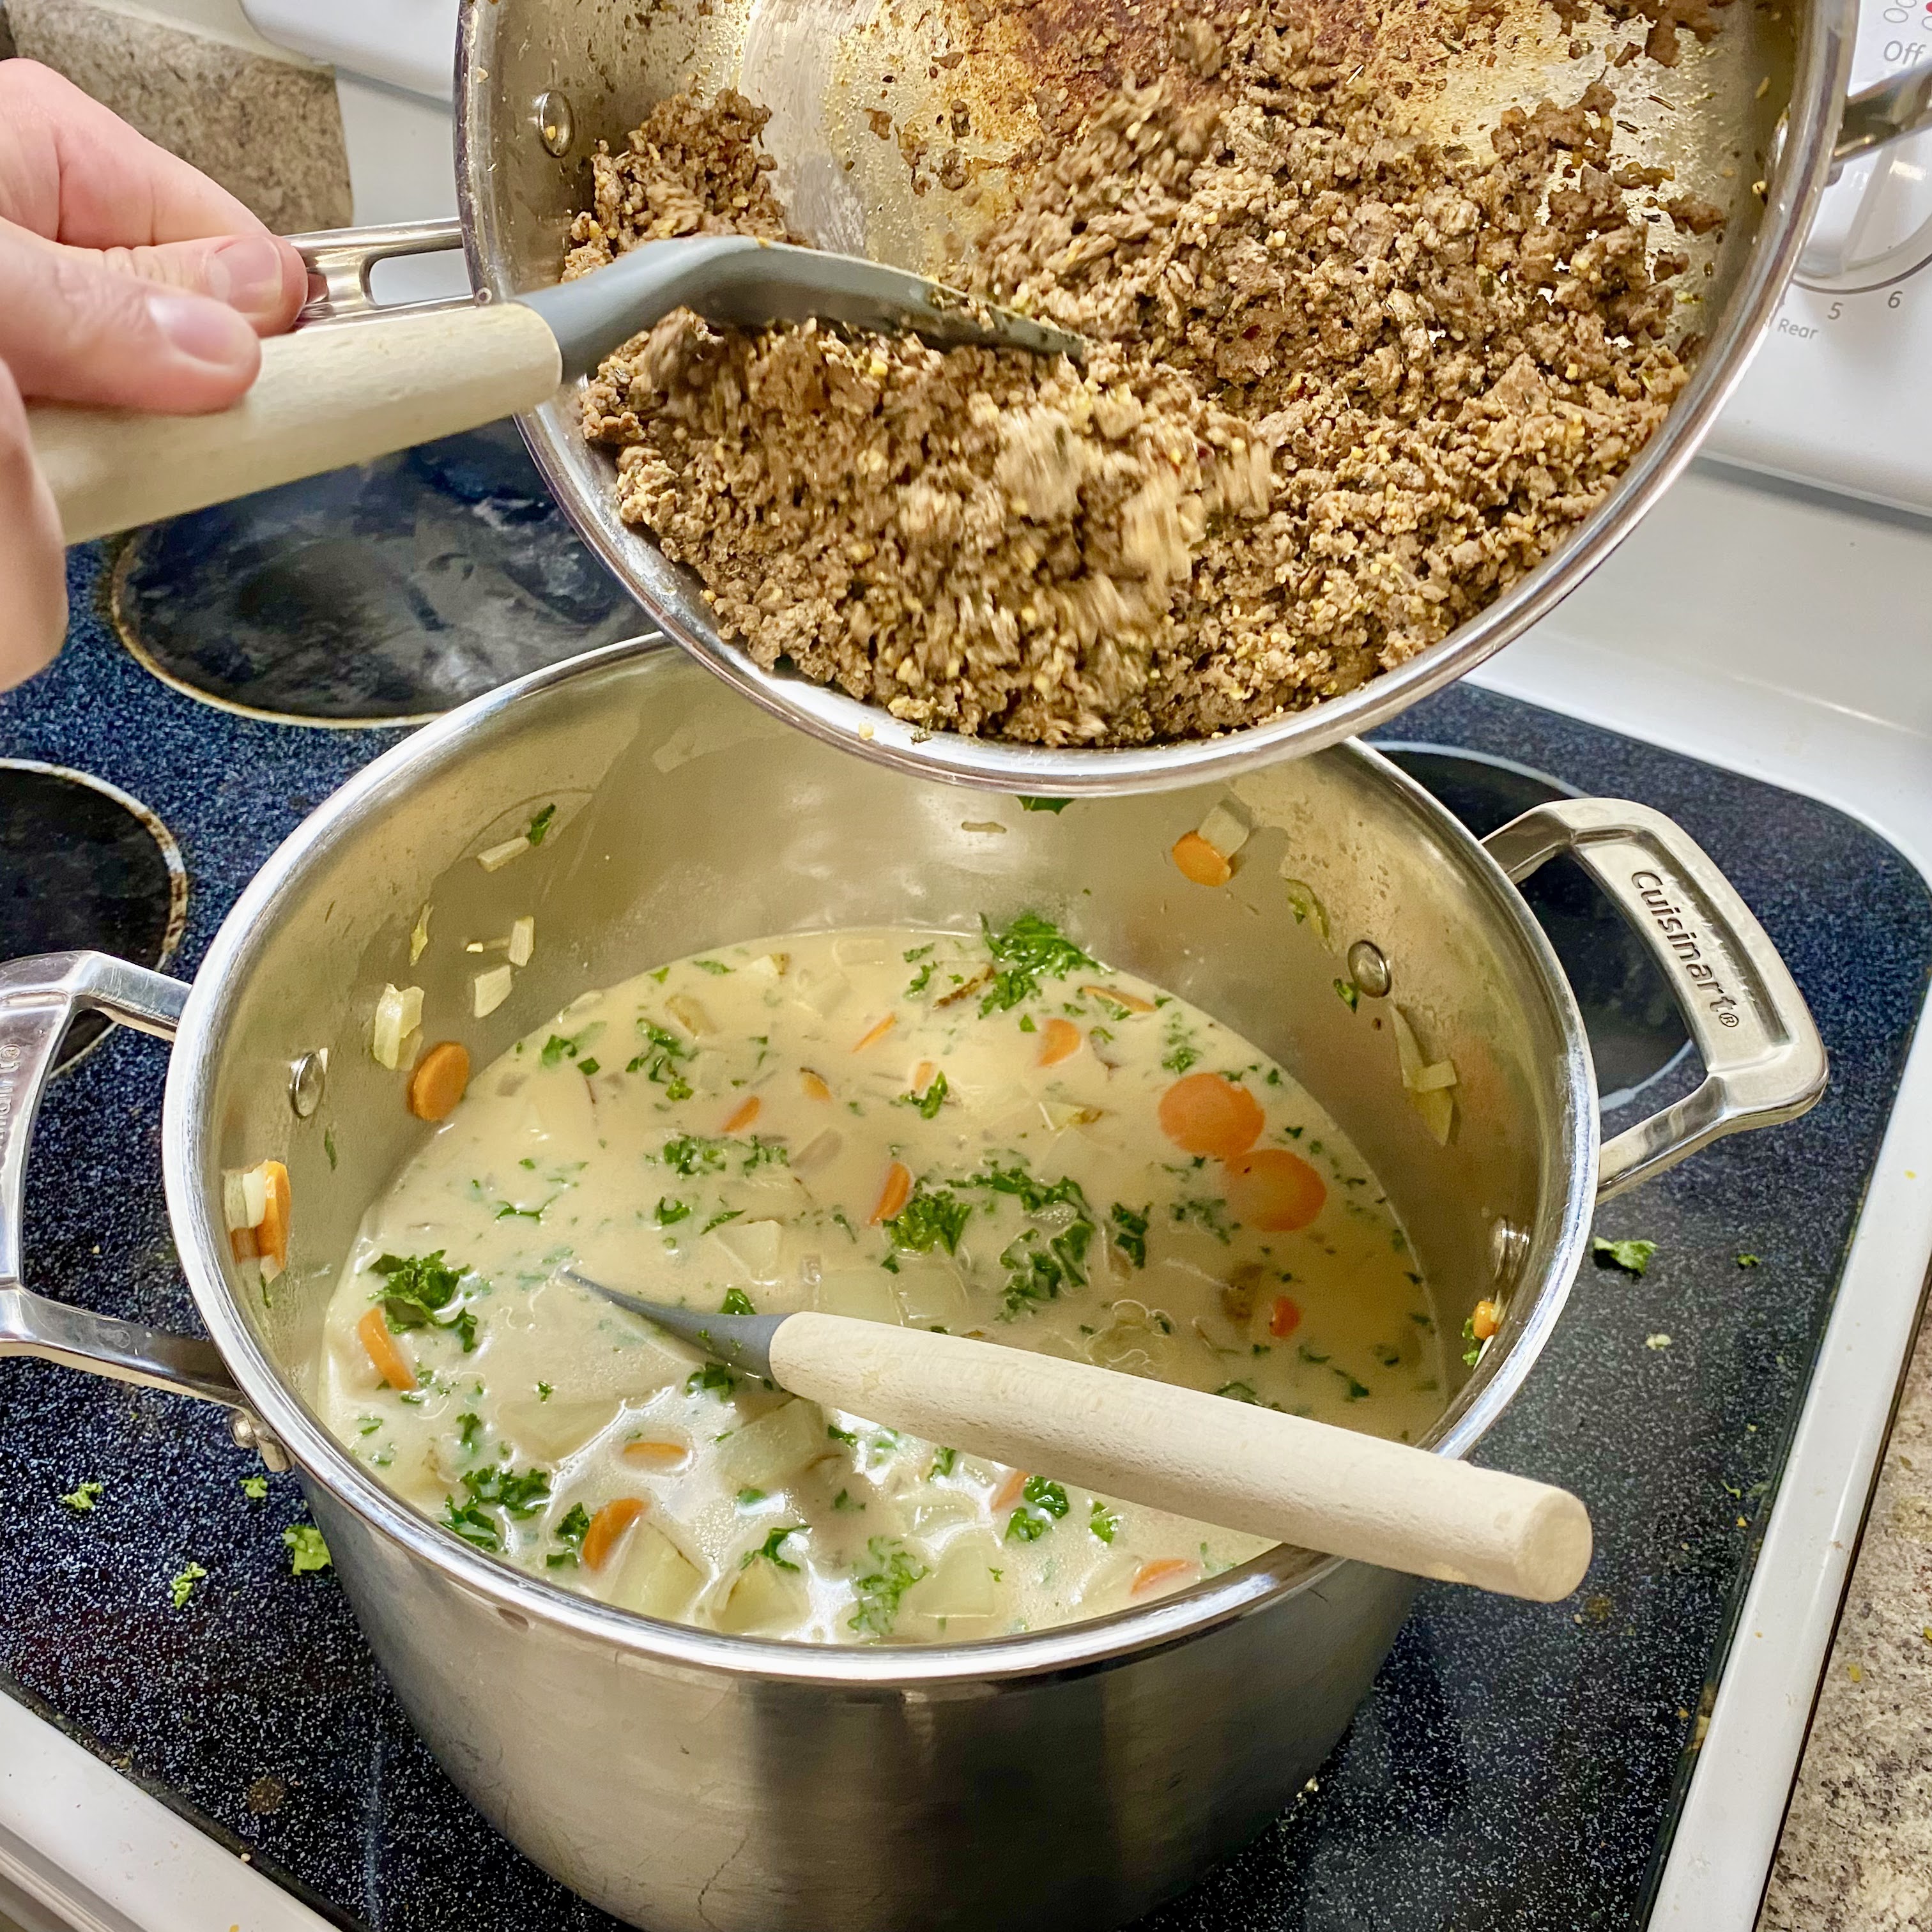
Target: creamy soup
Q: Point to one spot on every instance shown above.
(990, 1135)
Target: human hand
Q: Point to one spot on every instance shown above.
(127, 278)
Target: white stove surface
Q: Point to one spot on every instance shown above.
(1781, 631)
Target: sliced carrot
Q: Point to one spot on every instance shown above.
(386, 1354)
(1200, 862)
(1162, 1570)
(607, 1527)
(813, 1085)
(1132, 1002)
(895, 1194)
(1011, 1490)
(441, 1078)
(1205, 1114)
(655, 1455)
(743, 1114)
(1284, 1318)
(1059, 1039)
(272, 1231)
(1274, 1190)
(1486, 1318)
(874, 1034)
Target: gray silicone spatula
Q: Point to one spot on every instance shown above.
(1198, 1455)
(331, 395)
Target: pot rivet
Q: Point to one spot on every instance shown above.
(1369, 969)
(1509, 1248)
(307, 1078)
(556, 127)
(247, 1433)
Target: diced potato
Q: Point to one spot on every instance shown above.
(959, 1590)
(1226, 828)
(1108, 1583)
(1059, 1115)
(862, 949)
(824, 993)
(744, 1250)
(767, 1453)
(523, 940)
(764, 1599)
(655, 1578)
(931, 1291)
(942, 1509)
(550, 1431)
(770, 965)
(245, 1197)
(865, 1294)
(690, 1014)
(707, 1071)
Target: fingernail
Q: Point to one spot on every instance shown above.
(246, 273)
(202, 330)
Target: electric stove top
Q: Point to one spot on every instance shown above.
(1515, 1765)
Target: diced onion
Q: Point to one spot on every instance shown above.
(767, 1454)
(752, 1246)
(1427, 1082)
(245, 1197)
(1226, 828)
(864, 1294)
(496, 857)
(419, 936)
(1059, 1116)
(771, 965)
(398, 1014)
(488, 991)
(960, 1588)
(523, 940)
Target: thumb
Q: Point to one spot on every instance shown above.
(73, 329)
(259, 275)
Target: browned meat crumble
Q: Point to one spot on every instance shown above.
(1347, 388)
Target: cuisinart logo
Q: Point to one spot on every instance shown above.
(1682, 937)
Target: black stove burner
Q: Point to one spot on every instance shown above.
(1636, 1030)
(380, 595)
(82, 864)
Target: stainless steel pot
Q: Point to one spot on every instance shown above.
(682, 1779)
(1747, 123)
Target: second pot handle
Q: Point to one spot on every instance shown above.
(39, 998)
(1763, 1061)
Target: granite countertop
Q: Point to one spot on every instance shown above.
(1856, 1855)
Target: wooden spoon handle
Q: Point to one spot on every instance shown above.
(327, 396)
(1202, 1455)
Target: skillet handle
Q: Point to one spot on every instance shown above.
(39, 998)
(1763, 1061)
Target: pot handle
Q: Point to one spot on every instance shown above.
(39, 998)
(1763, 1061)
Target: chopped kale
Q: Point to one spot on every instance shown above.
(929, 1102)
(1348, 993)
(773, 1549)
(736, 1302)
(711, 1378)
(671, 1212)
(942, 1460)
(181, 1585)
(1054, 805)
(713, 966)
(689, 1154)
(718, 1219)
(658, 1061)
(1104, 1522)
(750, 1498)
(1041, 1505)
(1632, 1257)
(570, 1533)
(255, 1488)
(420, 1291)
(878, 1591)
(930, 1219)
(84, 1498)
(1024, 952)
(1130, 1231)
(1181, 1052)
(560, 1047)
(1351, 1389)
(307, 1550)
(538, 828)
(1241, 1391)
(328, 1147)
(1474, 1347)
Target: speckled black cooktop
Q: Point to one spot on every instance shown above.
(1514, 1767)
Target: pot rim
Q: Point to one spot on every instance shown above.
(517, 1595)
(1801, 167)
